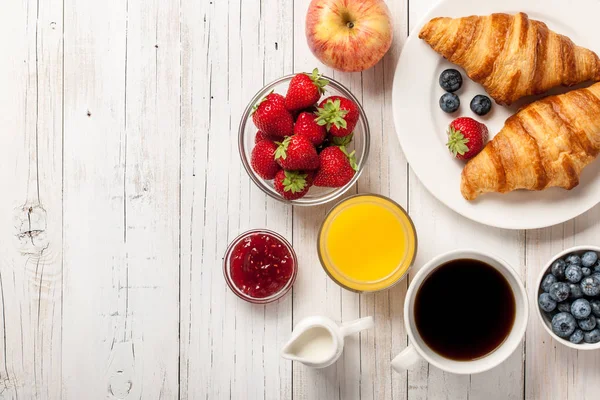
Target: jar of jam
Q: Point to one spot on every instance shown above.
(260, 266)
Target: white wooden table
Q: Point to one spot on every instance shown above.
(121, 187)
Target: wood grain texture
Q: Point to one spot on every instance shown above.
(30, 220)
(122, 188)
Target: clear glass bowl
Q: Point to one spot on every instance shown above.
(316, 195)
(227, 267)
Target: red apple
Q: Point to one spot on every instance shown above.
(349, 35)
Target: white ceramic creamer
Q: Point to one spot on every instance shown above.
(318, 341)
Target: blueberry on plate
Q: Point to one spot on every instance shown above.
(576, 337)
(576, 292)
(547, 282)
(581, 308)
(573, 273)
(481, 104)
(560, 291)
(597, 268)
(546, 302)
(558, 268)
(589, 258)
(587, 324)
(450, 80)
(563, 324)
(586, 271)
(449, 102)
(592, 336)
(590, 285)
(573, 259)
(564, 306)
(595, 304)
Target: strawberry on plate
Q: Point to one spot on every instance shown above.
(305, 90)
(271, 116)
(292, 185)
(466, 137)
(297, 153)
(338, 114)
(263, 161)
(308, 127)
(337, 167)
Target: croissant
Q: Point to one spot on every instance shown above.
(511, 55)
(545, 144)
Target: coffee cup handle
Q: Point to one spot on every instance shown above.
(406, 359)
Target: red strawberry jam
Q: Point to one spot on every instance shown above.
(261, 265)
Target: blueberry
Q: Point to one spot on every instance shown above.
(586, 271)
(573, 273)
(558, 269)
(597, 267)
(595, 304)
(481, 104)
(449, 102)
(587, 324)
(548, 281)
(559, 291)
(576, 292)
(590, 286)
(573, 259)
(592, 336)
(576, 337)
(563, 324)
(450, 80)
(546, 302)
(589, 258)
(581, 308)
(564, 306)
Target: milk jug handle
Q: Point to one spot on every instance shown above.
(348, 328)
(406, 359)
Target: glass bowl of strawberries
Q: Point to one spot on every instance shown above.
(304, 139)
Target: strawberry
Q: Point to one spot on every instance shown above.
(308, 127)
(339, 114)
(260, 135)
(305, 90)
(337, 167)
(292, 185)
(297, 153)
(466, 137)
(263, 161)
(271, 117)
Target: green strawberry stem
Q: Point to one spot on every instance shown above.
(255, 107)
(351, 157)
(281, 151)
(457, 142)
(318, 80)
(331, 114)
(343, 140)
(294, 181)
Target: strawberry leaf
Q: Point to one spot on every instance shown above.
(343, 140)
(457, 142)
(318, 80)
(331, 114)
(294, 181)
(281, 151)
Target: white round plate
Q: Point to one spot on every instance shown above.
(421, 125)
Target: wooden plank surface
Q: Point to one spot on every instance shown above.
(122, 188)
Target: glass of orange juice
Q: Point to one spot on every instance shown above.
(367, 243)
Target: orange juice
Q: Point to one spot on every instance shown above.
(367, 243)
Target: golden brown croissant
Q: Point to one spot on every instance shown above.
(511, 55)
(545, 144)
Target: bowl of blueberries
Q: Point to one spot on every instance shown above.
(568, 297)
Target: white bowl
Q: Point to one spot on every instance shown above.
(546, 323)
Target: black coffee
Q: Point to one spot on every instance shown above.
(464, 309)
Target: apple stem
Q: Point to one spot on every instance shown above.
(350, 24)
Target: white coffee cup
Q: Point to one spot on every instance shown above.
(418, 349)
